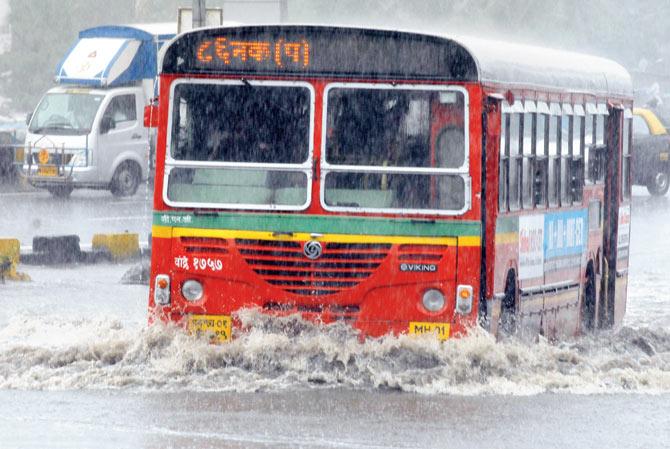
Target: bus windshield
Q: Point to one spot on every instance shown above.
(65, 114)
(254, 141)
(395, 149)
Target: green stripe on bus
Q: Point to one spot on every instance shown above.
(319, 224)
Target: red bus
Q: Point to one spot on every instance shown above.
(400, 182)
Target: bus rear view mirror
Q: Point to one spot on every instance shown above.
(151, 116)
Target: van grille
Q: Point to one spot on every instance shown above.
(342, 266)
(54, 158)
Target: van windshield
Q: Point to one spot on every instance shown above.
(65, 114)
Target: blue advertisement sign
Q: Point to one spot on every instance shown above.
(565, 233)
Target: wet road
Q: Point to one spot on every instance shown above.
(27, 212)
(330, 419)
(80, 369)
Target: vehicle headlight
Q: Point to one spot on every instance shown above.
(192, 290)
(433, 300)
(79, 159)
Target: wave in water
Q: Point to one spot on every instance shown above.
(284, 353)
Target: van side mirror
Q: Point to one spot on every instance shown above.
(29, 117)
(106, 124)
(151, 116)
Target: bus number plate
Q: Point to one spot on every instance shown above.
(217, 327)
(47, 171)
(441, 330)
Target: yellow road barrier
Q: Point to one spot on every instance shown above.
(10, 253)
(120, 246)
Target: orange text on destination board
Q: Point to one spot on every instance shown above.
(281, 53)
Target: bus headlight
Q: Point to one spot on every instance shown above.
(162, 290)
(433, 300)
(192, 290)
(464, 299)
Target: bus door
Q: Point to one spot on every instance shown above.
(491, 123)
(611, 165)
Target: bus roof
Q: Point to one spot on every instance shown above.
(540, 67)
(392, 53)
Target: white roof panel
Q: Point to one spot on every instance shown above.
(530, 66)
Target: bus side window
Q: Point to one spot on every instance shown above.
(516, 158)
(598, 151)
(540, 170)
(600, 129)
(577, 165)
(553, 160)
(589, 143)
(566, 157)
(528, 151)
(503, 173)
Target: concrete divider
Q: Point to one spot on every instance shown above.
(65, 250)
(120, 246)
(55, 249)
(10, 254)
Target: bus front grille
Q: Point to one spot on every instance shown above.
(421, 253)
(204, 245)
(341, 266)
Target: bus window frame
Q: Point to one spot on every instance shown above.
(306, 167)
(463, 171)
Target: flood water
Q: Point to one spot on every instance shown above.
(80, 369)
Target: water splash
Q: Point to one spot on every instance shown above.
(290, 353)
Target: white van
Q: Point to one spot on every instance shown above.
(89, 131)
(88, 138)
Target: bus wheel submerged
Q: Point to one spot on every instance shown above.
(126, 179)
(588, 311)
(508, 319)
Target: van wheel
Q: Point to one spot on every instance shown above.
(508, 317)
(126, 179)
(659, 184)
(60, 191)
(589, 301)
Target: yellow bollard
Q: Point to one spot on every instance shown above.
(10, 251)
(120, 246)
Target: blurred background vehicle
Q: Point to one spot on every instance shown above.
(12, 134)
(651, 152)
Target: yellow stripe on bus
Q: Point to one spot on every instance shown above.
(168, 232)
(507, 237)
